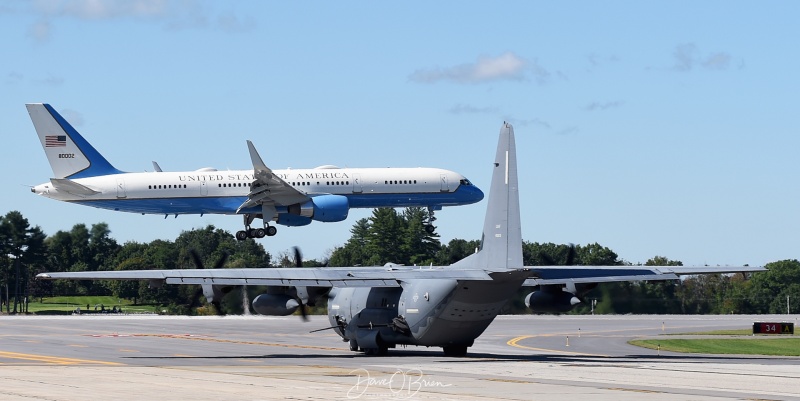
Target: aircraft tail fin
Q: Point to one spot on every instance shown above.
(501, 242)
(70, 155)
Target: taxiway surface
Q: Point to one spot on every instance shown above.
(112, 357)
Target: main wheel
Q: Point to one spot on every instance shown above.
(382, 350)
(455, 350)
(241, 235)
(260, 233)
(271, 231)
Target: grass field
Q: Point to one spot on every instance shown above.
(743, 343)
(67, 305)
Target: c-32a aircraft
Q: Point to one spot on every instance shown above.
(293, 197)
(377, 308)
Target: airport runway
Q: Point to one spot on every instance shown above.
(264, 358)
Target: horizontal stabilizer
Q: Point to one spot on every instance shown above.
(72, 187)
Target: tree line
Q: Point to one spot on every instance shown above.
(387, 236)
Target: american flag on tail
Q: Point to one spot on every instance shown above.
(51, 141)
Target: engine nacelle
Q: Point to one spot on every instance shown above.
(326, 208)
(292, 220)
(551, 301)
(275, 305)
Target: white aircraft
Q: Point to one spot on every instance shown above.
(294, 197)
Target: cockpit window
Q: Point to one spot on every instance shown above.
(465, 181)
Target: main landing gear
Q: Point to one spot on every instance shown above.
(249, 232)
(429, 227)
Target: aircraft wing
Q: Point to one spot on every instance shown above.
(292, 276)
(268, 188)
(548, 275)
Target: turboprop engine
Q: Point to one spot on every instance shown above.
(551, 301)
(275, 304)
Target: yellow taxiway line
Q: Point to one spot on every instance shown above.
(54, 360)
(514, 343)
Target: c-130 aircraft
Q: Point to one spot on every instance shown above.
(377, 308)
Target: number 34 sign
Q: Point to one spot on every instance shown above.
(773, 328)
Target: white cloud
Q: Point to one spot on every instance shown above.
(526, 122)
(718, 61)
(687, 57)
(467, 109)
(74, 118)
(507, 66)
(569, 130)
(14, 77)
(603, 105)
(173, 15)
(231, 23)
(40, 31)
(52, 81)
(102, 9)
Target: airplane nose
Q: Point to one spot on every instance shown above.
(472, 193)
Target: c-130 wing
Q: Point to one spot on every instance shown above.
(300, 276)
(549, 275)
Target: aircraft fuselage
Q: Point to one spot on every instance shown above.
(425, 312)
(223, 192)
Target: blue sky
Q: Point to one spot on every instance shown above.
(652, 128)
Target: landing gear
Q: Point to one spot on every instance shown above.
(455, 350)
(380, 351)
(429, 227)
(248, 232)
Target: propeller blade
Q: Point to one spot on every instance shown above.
(218, 308)
(571, 255)
(298, 257)
(198, 263)
(221, 260)
(298, 262)
(303, 311)
(196, 298)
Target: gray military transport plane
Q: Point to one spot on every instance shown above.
(377, 308)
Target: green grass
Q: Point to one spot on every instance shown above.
(742, 332)
(66, 305)
(743, 346)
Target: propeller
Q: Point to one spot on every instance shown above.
(216, 301)
(569, 261)
(298, 262)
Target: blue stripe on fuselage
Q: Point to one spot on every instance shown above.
(465, 194)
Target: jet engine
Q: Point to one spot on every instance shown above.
(325, 208)
(275, 305)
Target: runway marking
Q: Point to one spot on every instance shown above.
(513, 342)
(506, 380)
(54, 360)
(221, 340)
